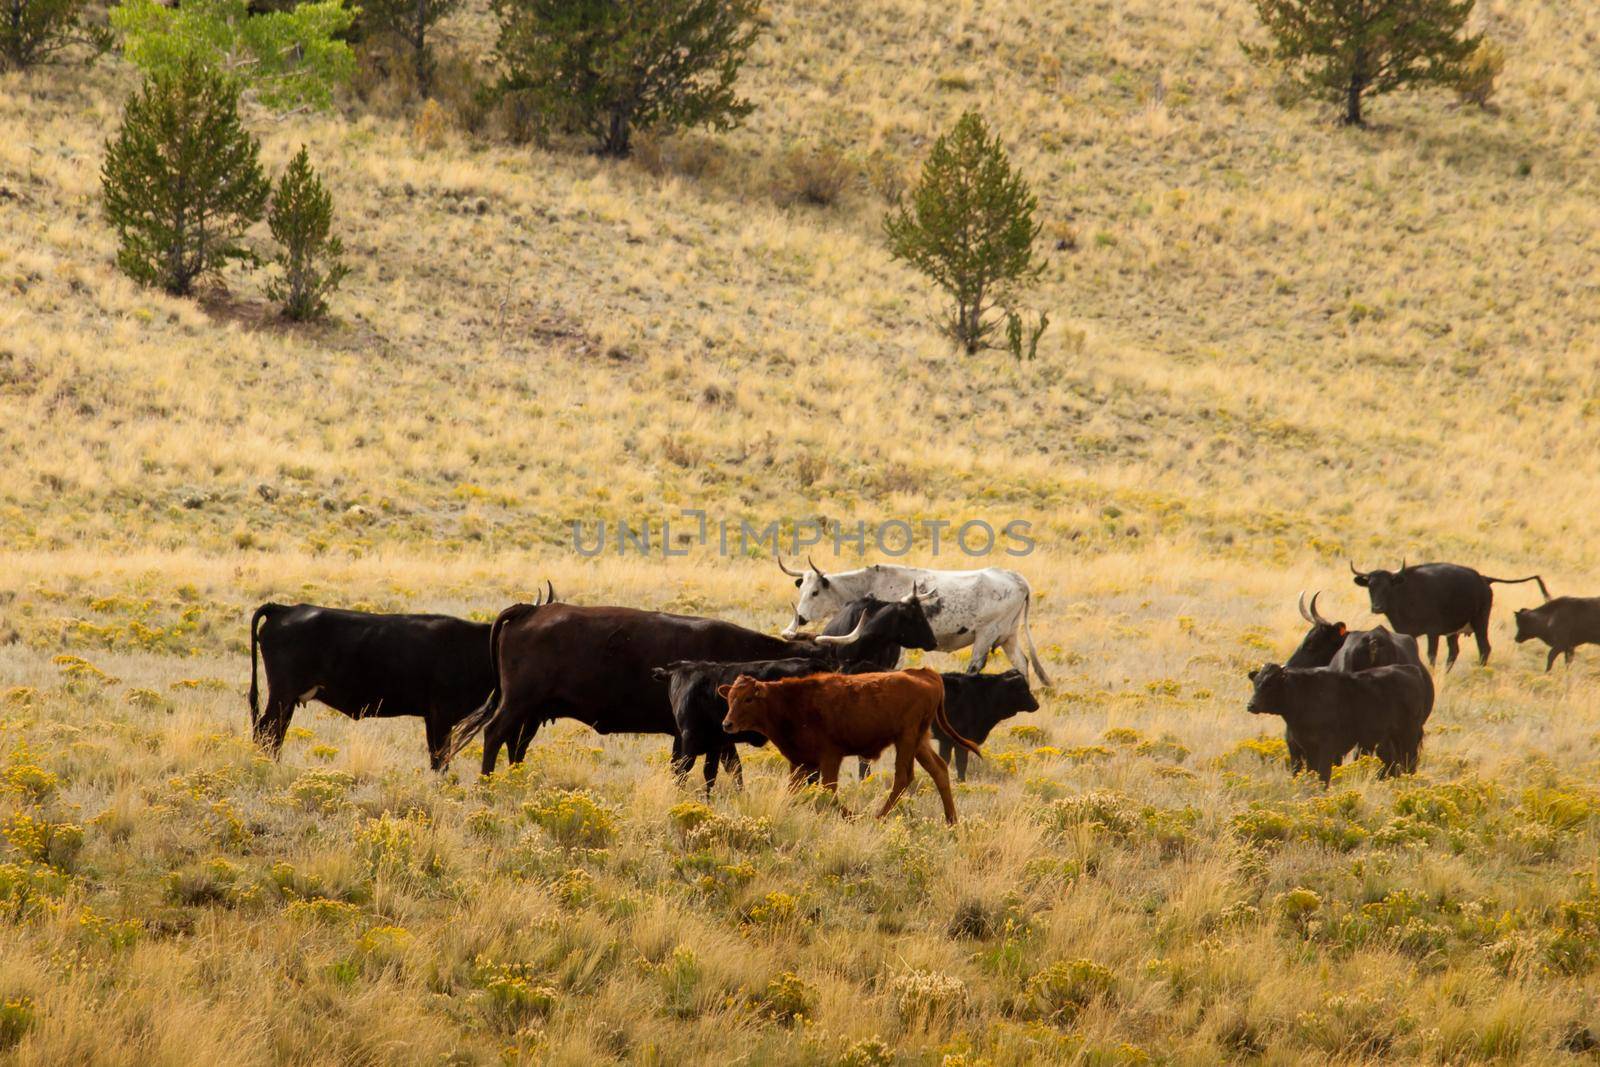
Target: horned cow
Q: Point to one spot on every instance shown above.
(985, 608)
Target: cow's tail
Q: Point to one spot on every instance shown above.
(464, 731)
(1033, 652)
(1518, 581)
(263, 612)
(943, 721)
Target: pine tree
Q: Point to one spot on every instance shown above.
(301, 220)
(411, 23)
(609, 68)
(37, 31)
(1344, 50)
(970, 228)
(182, 179)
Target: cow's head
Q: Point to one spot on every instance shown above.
(747, 705)
(1321, 642)
(1011, 693)
(903, 622)
(1271, 689)
(819, 598)
(1382, 586)
(1531, 623)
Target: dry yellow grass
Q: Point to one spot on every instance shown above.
(1278, 342)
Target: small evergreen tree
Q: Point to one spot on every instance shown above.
(609, 68)
(301, 219)
(37, 31)
(287, 58)
(182, 179)
(1343, 50)
(410, 23)
(970, 228)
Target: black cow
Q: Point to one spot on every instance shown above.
(1378, 647)
(1563, 623)
(1328, 712)
(1321, 642)
(698, 710)
(368, 665)
(596, 665)
(1437, 600)
(975, 704)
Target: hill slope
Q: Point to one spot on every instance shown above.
(1277, 343)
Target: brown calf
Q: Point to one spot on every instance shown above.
(819, 720)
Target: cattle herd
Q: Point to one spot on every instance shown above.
(712, 686)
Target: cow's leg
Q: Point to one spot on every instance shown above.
(1550, 660)
(940, 773)
(505, 730)
(1013, 646)
(905, 755)
(517, 746)
(1323, 764)
(801, 775)
(438, 734)
(1453, 643)
(1433, 649)
(1297, 756)
(731, 764)
(982, 644)
(1568, 654)
(960, 757)
(829, 771)
(1480, 631)
(682, 764)
(274, 724)
(863, 768)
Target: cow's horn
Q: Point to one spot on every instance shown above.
(1402, 565)
(1316, 616)
(814, 566)
(847, 639)
(551, 586)
(1358, 574)
(781, 567)
(1301, 604)
(538, 600)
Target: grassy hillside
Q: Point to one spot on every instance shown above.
(1277, 343)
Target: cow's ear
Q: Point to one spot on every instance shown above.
(825, 582)
(722, 691)
(1361, 579)
(797, 582)
(1254, 673)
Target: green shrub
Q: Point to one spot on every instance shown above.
(573, 818)
(970, 228)
(182, 179)
(301, 218)
(1062, 990)
(289, 57)
(608, 69)
(1342, 50)
(33, 32)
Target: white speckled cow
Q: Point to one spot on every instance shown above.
(982, 608)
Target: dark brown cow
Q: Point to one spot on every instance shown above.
(817, 721)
